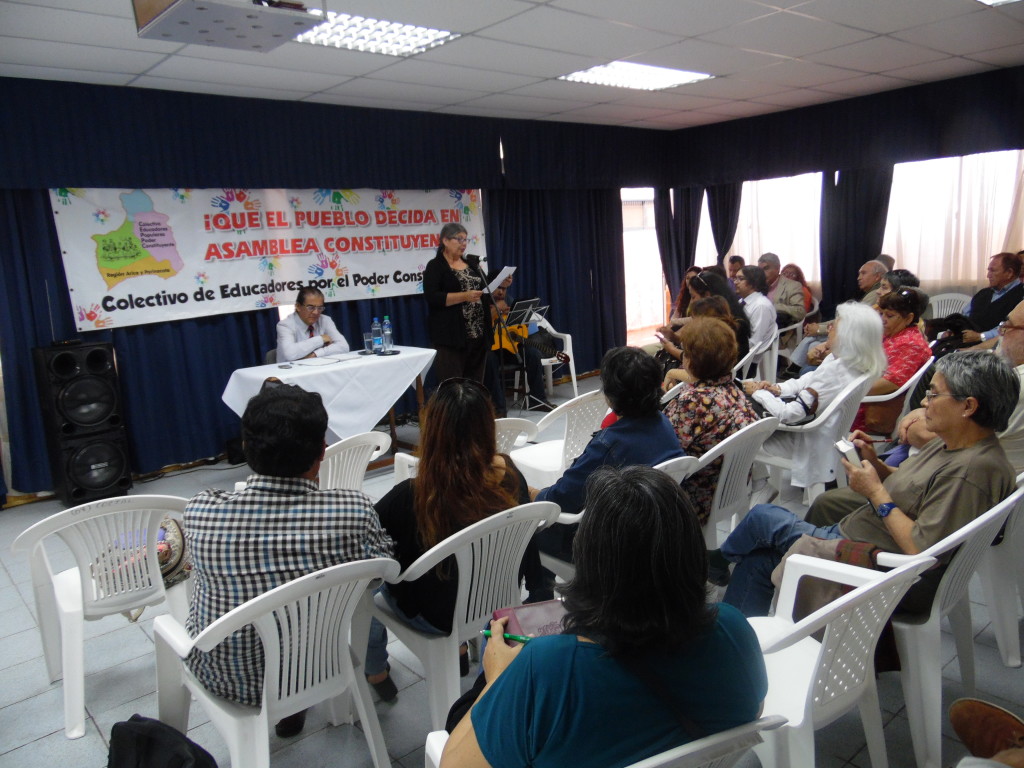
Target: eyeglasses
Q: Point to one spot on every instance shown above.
(314, 308)
(930, 395)
(460, 240)
(1006, 326)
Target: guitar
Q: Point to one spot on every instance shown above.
(509, 339)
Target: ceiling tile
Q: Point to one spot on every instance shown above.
(1010, 56)
(40, 53)
(431, 73)
(878, 54)
(115, 8)
(509, 57)
(798, 97)
(212, 88)
(885, 17)
(31, 72)
(298, 56)
(187, 68)
(979, 31)
(947, 68)
(617, 112)
(686, 18)
(516, 102)
(799, 74)
(665, 100)
(571, 32)
(859, 86)
(786, 34)
(453, 15)
(56, 25)
(702, 56)
(420, 94)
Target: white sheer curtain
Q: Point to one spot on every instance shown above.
(778, 215)
(948, 216)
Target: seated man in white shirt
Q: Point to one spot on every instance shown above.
(309, 332)
(751, 287)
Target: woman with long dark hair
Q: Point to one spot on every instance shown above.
(458, 310)
(460, 480)
(643, 662)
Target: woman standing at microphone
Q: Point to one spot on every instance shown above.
(457, 308)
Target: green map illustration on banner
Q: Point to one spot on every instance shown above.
(143, 245)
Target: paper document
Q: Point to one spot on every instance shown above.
(505, 274)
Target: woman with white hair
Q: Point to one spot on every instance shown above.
(856, 340)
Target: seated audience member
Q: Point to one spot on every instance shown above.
(869, 281)
(958, 476)
(631, 381)
(786, 295)
(994, 736)
(856, 336)
(895, 279)
(887, 261)
(681, 308)
(914, 431)
(710, 410)
(751, 287)
(906, 350)
(736, 263)
(308, 332)
(794, 273)
(709, 306)
(636, 612)
(992, 304)
(701, 286)
(280, 527)
(459, 481)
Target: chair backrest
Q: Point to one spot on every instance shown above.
(304, 627)
(970, 543)
(838, 415)
(114, 544)
(720, 750)
(944, 304)
(741, 367)
(271, 357)
(767, 364)
(488, 554)
(345, 462)
(405, 466)
(732, 494)
(908, 387)
(507, 432)
(852, 625)
(679, 468)
(583, 416)
(671, 395)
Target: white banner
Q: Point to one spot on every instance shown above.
(147, 256)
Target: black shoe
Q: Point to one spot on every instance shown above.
(386, 688)
(291, 726)
(718, 568)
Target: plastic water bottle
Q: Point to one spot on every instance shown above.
(378, 337)
(389, 337)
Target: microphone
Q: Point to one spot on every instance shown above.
(472, 260)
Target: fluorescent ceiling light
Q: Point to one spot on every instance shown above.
(358, 33)
(998, 2)
(626, 74)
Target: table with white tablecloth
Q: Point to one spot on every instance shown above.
(357, 390)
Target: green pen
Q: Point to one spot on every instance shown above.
(518, 638)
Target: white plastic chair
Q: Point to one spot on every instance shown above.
(945, 304)
(739, 370)
(907, 388)
(507, 433)
(836, 420)
(1001, 572)
(303, 627)
(732, 494)
(812, 683)
(114, 544)
(345, 462)
(543, 463)
(720, 750)
(918, 637)
(673, 393)
(550, 363)
(488, 554)
(679, 468)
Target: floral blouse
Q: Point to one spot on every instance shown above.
(703, 416)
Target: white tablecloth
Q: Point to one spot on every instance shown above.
(358, 390)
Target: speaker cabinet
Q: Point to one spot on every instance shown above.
(85, 436)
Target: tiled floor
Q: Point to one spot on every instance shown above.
(120, 676)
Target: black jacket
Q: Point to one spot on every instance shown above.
(445, 325)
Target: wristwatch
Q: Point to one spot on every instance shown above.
(883, 510)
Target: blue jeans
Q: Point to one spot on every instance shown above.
(757, 546)
(377, 645)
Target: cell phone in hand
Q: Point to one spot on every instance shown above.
(848, 450)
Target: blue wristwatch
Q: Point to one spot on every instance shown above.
(883, 510)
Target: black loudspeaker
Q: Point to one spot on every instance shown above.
(85, 434)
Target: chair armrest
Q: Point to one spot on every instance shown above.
(799, 566)
(168, 629)
(894, 559)
(568, 518)
(434, 747)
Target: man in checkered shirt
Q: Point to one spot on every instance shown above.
(281, 527)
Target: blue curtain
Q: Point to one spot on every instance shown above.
(567, 245)
(724, 212)
(676, 228)
(854, 208)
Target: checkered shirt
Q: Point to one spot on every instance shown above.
(249, 542)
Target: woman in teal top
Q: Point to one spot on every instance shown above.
(641, 650)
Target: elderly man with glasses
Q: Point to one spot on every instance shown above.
(308, 332)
